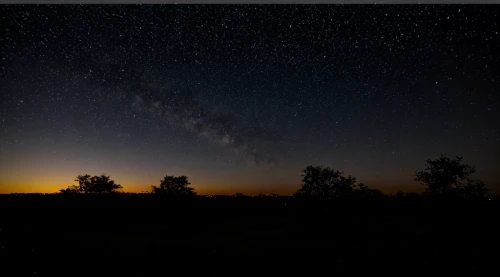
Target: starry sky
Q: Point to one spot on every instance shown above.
(241, 98)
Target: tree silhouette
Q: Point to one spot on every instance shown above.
(92, 185)
(174, 186)
(445, 176)
(325, 182)
(96, 184)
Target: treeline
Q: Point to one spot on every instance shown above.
(442, 177)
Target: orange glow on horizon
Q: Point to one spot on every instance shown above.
(26, 185)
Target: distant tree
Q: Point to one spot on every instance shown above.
(445, 176)
(407, 195)
(363, 191)
(70, 190)
(262, 195)
(321, 181)
(476, 188)
(239, 194)
(174, 186)
(93, 185)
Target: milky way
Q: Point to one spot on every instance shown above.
(207, 122)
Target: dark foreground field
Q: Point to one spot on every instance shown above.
(143, 235)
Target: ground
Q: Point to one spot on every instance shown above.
(244, 236)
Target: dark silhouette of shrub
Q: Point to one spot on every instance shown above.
(407, 195)
(362, 190)
(70, 190)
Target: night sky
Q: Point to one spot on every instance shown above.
(241, 98)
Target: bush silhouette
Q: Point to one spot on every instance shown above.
(407, 195)
(174, 186)
(363, 191)
(70, 190)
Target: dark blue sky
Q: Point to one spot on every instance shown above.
(241, 98)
